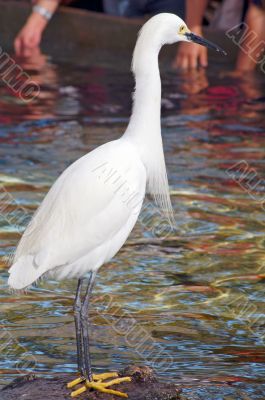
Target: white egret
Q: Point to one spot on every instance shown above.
(92, 207)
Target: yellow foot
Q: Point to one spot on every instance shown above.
(99, 383)
(96, 377)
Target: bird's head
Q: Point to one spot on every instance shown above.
(169, 28)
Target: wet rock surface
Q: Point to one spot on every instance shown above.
(144, 386)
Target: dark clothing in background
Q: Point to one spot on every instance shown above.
(260, 3)
(137, 8)
(132, 8)
(95, 5)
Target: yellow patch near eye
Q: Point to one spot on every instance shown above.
(182, 29)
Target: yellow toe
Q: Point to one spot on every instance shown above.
(102, 387)
(79, 391)
(106, 375)
(117, 381)
(77, 381)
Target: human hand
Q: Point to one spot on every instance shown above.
(191, 55)
(30, 35)
(36, 61)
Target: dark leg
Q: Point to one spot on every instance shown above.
(85, 329)
(99, 382)
(78, 328)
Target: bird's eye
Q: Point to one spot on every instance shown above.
(182, 29)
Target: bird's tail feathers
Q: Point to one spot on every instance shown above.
(23, 273)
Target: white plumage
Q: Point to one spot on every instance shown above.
(85, 218)
(92, 207)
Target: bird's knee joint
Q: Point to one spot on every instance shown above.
(77, 311)
(83, 314)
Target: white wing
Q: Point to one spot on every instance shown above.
(87, 214)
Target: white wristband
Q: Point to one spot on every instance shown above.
(43, 12)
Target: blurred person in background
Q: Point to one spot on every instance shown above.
(189, 56)
(29, 37)
(230, 14)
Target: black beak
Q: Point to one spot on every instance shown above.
(203, 42)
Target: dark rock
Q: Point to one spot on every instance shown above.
(144, 386)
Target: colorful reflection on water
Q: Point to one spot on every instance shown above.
(193, 298)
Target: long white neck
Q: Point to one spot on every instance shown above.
(144, 128)
(145, 119)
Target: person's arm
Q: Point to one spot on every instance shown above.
(30, 35)
(195, 12)
(191, 55)
(252, 46)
